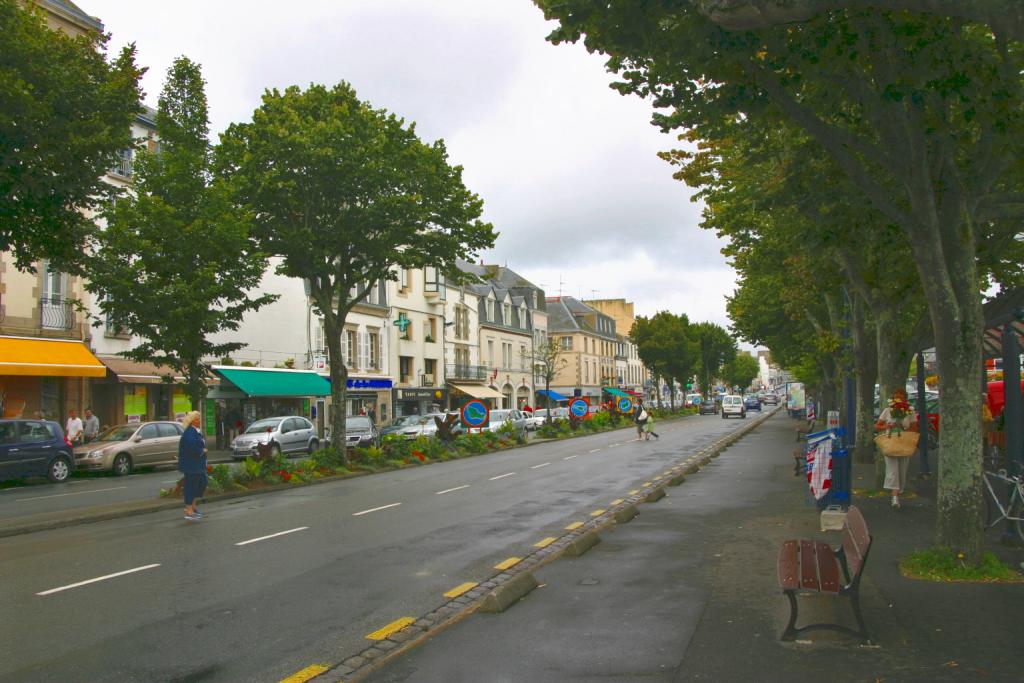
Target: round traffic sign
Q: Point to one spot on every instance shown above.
(474, 413)
(578, 408)
(625, 404)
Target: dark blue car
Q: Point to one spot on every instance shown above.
(752, 402)
(34, 448)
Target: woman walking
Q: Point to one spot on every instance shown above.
(641, 420)
(192, 464)
(649, 428)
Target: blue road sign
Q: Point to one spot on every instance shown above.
(474, 414)
(624, 404)
(579, 407)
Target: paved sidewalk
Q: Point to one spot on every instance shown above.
(687, 591)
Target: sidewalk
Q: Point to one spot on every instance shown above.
(687, 591)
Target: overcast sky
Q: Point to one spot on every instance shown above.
(567, 168)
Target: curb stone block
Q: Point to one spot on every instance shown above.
(677, 480)
(692, 469)
(655, 495)
(503, 597)
(627, 513)
(582, 544)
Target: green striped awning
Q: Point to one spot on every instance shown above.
(270, 382)
(616, 392)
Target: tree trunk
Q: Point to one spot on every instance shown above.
(865, 359)
(672, 394)
(339, 382)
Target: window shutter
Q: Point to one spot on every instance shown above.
(364, 350)
(344, 347)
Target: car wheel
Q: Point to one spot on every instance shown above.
(122, 465)
(59, 470)
(313, 445)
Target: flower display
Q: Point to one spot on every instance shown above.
(899, 408)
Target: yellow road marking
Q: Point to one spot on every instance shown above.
(544, 543)
(574, 525)
(617, 501)
(647, 483)
(460, 589)
(598, 513)
(393, 627)
(310, 672)
(657, 477)
(510, 562)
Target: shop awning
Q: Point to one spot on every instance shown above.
(553, 395)
(476, 390)
(616, 392)
(273, 382)
(48, 358)
(134, 372)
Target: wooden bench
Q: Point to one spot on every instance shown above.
(803, 428)
(807, 566)
(799, 462)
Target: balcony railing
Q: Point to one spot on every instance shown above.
(476, 373)
(122, 166)
(55, 313)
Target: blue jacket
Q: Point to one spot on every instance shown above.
(192, 452)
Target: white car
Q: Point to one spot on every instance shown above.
(732, 404)
(536, 419)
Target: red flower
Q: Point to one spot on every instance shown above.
(420, 455)
(285, 476)
(209, 469)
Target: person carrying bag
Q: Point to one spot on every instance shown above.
(641, 419)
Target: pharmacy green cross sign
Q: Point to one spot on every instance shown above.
(402, 323)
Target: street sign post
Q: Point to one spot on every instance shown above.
(474, 414)
(579, 408)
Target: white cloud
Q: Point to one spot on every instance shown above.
(566, 166)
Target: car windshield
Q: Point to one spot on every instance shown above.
(359, 422)
(406, 421)
(118, 433)
(267, 425)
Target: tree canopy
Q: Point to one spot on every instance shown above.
(344, 193)
(65, 113)
(175, 261)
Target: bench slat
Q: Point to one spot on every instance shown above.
(788, 565)
(828, 568)
(808, 566)
(855, 540)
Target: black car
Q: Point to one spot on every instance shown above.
(34, 448)
(752, 402)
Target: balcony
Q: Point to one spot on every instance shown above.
(55, 313)
(472, 373)
(123, 164)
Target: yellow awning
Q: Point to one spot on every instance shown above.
(476, 390)
(48, 358)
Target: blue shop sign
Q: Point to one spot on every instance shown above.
(369, 383)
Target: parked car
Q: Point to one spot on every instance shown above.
(502, 416)
(536, 419)
(690, 400)
(732, 404)
(360, 431)
(560, 413)
(288, 434)
(34, 448)
(708, 406)
(752, 402)
(406, 425)
(122, 448)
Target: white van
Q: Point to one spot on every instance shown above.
(732, 404)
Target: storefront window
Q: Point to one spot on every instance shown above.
(135, 402)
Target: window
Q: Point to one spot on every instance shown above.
(462, 322)
(430, 368)
(319, 343)
(351, 348)
(167, 429)
(34, 432)
(55, 311)
(8, 433)
(506, 314)
(490, 352)
(566, 343)
(403, 279)
(123, 164)
(433, 281)
(522, 356)
(430, 329)
(405, 369)
(490, 310)
(506, 355)
(373, 347)
(148, 432)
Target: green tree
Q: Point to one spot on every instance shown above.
(741, 371)
(175, 261)
(665, 347)
(344, 193)
(546, 361)
(715, 348)
(65, 113)
(918, 110)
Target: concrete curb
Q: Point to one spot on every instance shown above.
(582, 544)
(508, 594)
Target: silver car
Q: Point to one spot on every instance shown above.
(290, 434)
(505, 415)
(120, 449)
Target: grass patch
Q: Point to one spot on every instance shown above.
(881, 493)
(942, 564)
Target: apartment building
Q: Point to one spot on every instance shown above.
(589, 344)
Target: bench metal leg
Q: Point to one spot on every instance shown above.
(855, 603)
(791, 631)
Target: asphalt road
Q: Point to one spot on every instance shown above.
(267, 585)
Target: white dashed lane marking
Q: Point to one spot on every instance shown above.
(457, 488)
(502, 476)
(537, 467)
(382, 507)
(98, 578)
(279, 533)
